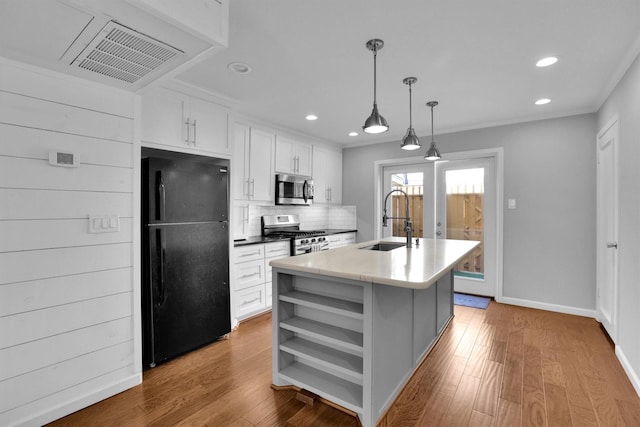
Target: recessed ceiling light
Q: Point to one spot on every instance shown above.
(239, 67)
(353, 133)
(545, 62)
(543, 101)
(311, 117)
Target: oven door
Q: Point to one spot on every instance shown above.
(309, 244)
(294, 190)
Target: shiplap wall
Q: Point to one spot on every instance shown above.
(67, 302)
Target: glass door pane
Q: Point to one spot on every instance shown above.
(465, 216)
(408, 179)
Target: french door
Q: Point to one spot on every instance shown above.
(466, 210)
(453, 199)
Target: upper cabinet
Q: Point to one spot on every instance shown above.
(293, 157)
(327, 175)
(253, 158)
(185, 122)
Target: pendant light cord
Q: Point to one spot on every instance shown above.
(410, 111)
(432, 140)
(375, 55)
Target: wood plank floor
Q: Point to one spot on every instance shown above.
(504, 366)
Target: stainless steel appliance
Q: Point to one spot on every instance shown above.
(302, 241)
(294, 190)
(185, 251)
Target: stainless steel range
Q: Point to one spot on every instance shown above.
(288, 226)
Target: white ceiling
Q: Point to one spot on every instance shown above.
(477, 58)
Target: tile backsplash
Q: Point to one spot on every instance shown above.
(316, 217)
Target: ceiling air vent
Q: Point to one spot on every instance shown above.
(124, 54)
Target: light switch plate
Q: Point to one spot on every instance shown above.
(511, 203)
(104, 223)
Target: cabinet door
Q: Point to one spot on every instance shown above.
(348, 239)
(162, 120)
(285, 162)
(250, 301)
(240, 162)
(249, 273)
(335, 241)
(302, 158)
(334, 176)
(240, 220)
(261, 178)
(320, 185)
(208, 123)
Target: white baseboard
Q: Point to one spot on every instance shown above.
(549, 307)
(631, 373)
(72, 406)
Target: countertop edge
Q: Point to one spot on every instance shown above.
(369, 278)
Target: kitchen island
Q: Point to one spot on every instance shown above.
(352, 324)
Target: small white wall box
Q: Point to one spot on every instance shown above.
(63, 158)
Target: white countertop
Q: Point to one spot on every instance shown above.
(417, 267)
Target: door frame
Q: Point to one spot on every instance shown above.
(612, 329)
(497, 153)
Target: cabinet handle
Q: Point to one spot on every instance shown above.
(246, 217)
(246, 276)
(253, 187)
(194, 132)
(250, 253)
(245, 302)
(330, 194)
(188, 123)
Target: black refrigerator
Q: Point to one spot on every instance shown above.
(185, 254)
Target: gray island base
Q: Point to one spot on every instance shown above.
(351, 324)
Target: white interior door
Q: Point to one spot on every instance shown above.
(466, 210)
(607, 228)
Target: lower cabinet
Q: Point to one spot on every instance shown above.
(252, 277)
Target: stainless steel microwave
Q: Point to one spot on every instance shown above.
(294, 190)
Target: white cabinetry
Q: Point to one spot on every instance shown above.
(348, 238)
(341, 239)
(253, 177)
(252, 276)
(180, 121)
(240, 218)
(293, 157)
(327, 175)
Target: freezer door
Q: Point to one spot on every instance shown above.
(180, 190)
(188, 292)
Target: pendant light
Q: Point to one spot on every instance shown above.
(410, 140)
(432, 152)
(375, 123)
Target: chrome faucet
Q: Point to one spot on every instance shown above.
(408, 225)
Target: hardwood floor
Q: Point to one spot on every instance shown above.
(504, 366)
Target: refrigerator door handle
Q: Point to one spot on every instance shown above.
(162, 197)
(163, 247)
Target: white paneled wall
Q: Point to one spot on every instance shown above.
(67, 300)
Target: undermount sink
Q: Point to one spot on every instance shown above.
(384, 246)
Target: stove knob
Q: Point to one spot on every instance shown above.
(304, 241)
(313, 240)
(321, 239)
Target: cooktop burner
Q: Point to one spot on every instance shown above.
(286, 226)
